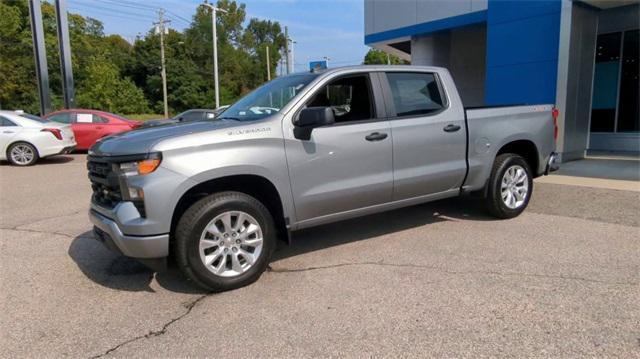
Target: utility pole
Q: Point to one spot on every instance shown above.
(268, 65)
(286, 48)
(214, 11)
(163, 73)
(388, 59)
(293, 60)
(282, 67)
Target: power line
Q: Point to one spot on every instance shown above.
(111, 10)
(179, 17)
(131, 4)
(174, 16)
(137, 6)
(126, 17)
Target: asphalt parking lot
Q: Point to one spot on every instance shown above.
(441, 279)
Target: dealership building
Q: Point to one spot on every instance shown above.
(581, 56)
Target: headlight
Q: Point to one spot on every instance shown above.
(142, 167)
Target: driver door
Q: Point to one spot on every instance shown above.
(348, 165)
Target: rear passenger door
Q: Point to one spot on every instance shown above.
(8, 130)
(429, 137)
(88, 128)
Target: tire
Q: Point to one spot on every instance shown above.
(22, 154)
(515, 202)
(210, 213)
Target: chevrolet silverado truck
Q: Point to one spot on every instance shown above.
(304, 150)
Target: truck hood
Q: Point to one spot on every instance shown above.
(143, 139)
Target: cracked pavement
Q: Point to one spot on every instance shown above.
(440, 279)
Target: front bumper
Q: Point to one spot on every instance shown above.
(553, 164)
(107, 231)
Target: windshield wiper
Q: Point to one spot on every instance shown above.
(228, 118)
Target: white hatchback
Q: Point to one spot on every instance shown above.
(25, 138)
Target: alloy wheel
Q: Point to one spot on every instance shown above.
(22, 154)
(231, 243)
(514, 186)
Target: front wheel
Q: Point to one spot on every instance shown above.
(510, 186)
(225, 241)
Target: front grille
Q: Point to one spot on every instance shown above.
(104, 182)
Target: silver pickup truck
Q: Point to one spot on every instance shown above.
(303, 150)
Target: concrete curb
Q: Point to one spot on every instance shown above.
(591, 182)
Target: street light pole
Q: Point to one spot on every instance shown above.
(214, 11)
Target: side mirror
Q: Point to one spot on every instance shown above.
(310, 118)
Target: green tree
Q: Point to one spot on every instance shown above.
(18, 86)
(115, 75)
(104, 89)
(379, 57)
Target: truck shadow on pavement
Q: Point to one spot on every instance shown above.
(117, 272)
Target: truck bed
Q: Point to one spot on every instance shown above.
(490, 128)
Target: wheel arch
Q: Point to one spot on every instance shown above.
(253, 185)
(525, 148)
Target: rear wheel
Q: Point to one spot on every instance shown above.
(510, 186)
(22, 154)
(225, 241)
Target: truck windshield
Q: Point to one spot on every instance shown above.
(267, 99)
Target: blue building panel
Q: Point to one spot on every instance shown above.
(511, 10)
(526, 40)
(527, 83)
(522, 51)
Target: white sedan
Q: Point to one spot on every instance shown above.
(25, 138)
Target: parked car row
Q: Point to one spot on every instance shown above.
(90, 125)
(24, 138)
(187, 116)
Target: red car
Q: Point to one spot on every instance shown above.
(90, 125)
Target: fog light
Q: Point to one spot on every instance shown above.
(136, 193)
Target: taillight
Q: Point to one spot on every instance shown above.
(554, 114)
(56, 132)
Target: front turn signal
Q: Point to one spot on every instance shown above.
(148, 166)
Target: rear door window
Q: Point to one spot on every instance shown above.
(99, 119)
(415, 93)
(60, 118)
(192, 116)
(5, 122)
(84, 118)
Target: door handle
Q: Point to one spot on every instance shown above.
(98, 127)
(376, 136)
(8, 132)
(451, 128)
